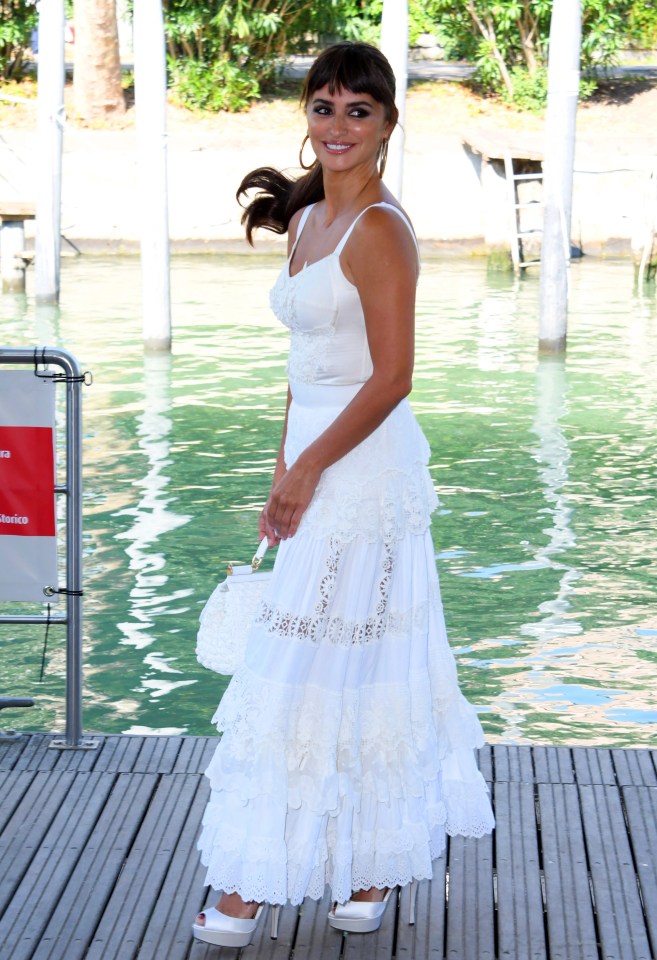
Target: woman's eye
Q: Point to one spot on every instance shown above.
(360, 114)
(322, 111)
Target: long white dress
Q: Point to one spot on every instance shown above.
(347, 747)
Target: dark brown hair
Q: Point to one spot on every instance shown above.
(358, 67)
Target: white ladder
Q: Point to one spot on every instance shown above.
(517, 233)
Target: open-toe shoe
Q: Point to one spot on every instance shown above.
(224, 931)
(359, 916)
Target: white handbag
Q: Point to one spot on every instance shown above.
(229, 613)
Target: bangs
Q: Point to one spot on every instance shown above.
(352, 66)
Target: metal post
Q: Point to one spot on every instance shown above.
(73, 490)
(394, 44)
(563, 92)
(50, 120)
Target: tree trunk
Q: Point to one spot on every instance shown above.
(97, 75)
(487, 31)
(528, 30)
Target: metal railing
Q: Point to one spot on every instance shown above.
(72, 488)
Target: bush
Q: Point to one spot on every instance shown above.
(19, 19)
(221, 85)
(529, 91)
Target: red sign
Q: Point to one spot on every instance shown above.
(27, 482)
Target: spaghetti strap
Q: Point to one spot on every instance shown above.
(390, 206)
(302, 223)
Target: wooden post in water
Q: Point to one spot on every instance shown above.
(563, 91)
(150, 103)
(394, 44)
(50, 124)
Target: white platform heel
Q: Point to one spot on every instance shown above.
(224, 931)
(365, 916)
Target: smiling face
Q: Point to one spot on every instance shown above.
(346, 129)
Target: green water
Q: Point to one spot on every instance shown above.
(546, 472)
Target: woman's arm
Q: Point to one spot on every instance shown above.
(265, 529)
(382, 263)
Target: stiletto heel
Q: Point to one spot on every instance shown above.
(413, 896)
(275, 913)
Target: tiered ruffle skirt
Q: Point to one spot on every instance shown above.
(347, 748)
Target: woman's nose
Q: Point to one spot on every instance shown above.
(338, 126)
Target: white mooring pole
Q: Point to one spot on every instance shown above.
(563, 91)
(150, 103)
(50, 123)
(394, 44)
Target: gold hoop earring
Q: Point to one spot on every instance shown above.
(301, 163)
(383, 156)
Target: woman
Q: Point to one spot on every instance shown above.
(347, 748)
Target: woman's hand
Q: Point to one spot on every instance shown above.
(287, 503)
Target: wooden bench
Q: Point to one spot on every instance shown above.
(13, 259)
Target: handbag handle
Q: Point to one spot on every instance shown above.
(255, 562)
(259, 554)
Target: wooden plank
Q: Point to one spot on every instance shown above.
(267, 949)
(195, 754)
(81, 761)
(553, 764)
(634, 767)
(73, 921)
(494, 144)
(12, 789)
(593, 766)
(314, 936)
(157, 754)
(29, 824)
(36, 755)
(570, 914)
(10, 751)
(133, 898)
(619, 913)
(519, 899)
(17, 210)
(169, 931)
(470, 899)
(119, 754)
(484, 757)
(425, 940)
(52, 865)
(641, 810)
(513, 764)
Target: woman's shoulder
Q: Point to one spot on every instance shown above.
(386, 215)
(385, 224)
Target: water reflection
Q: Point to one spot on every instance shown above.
(552, 456)
(545, 536)
(46, 323)
(152, 516)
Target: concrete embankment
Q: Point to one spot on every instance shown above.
(444, 190)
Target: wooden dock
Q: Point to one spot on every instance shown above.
(98, 860)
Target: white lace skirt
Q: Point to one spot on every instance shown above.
(347, 747)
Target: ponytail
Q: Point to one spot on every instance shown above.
(278, 198)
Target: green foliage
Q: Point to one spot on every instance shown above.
(222, 53)
(221, 85)
(19, 18)
(508, 40)
(529, 90)
(642, 24)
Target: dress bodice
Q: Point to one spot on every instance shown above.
(323, 311)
